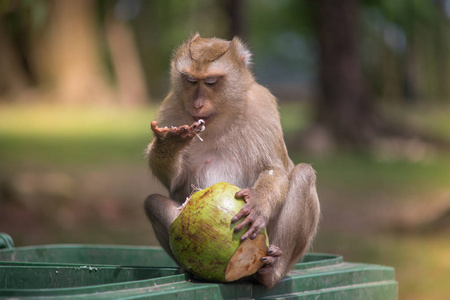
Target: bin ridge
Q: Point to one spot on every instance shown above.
(117, 272)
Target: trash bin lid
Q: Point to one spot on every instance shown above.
(117, 272)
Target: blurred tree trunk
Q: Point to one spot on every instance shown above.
(343, 109)
(442, 53)
(127, 63)
(16, 74)
(235, 11)
(13, 76)
(411, 82)
(73, 61)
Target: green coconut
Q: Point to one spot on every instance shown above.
(203, 241)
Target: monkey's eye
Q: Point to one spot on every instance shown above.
(211, 81)
(191, 80)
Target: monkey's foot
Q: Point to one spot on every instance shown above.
(269, 260)
(269, 274)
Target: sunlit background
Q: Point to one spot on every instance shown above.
(364, 94)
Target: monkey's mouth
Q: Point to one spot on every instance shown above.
(204, 118)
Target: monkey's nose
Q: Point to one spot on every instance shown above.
(198, 103)
(198, 106)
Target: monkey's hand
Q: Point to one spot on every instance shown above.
(181, 133)
(253, 215)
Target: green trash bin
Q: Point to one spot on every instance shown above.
(130, 272)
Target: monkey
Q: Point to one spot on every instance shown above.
(213, 89)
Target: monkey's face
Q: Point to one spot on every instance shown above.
(210, 77)
(201, 93)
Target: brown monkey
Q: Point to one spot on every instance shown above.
(242, 144)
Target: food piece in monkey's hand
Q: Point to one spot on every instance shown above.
(201, 123)
(203, 241)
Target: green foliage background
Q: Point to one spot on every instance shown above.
(78, 174)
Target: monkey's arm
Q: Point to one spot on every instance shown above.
(165, 150)
(263, 201)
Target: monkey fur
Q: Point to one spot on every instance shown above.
(242, 144)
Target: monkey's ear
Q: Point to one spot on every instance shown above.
(194, 37)
(244, 55)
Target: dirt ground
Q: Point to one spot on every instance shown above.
(52, 206)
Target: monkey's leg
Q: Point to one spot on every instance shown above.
(161, 212)
(294, 228)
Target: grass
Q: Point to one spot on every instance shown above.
(365, 173)
(100, 150)
(64, 136)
